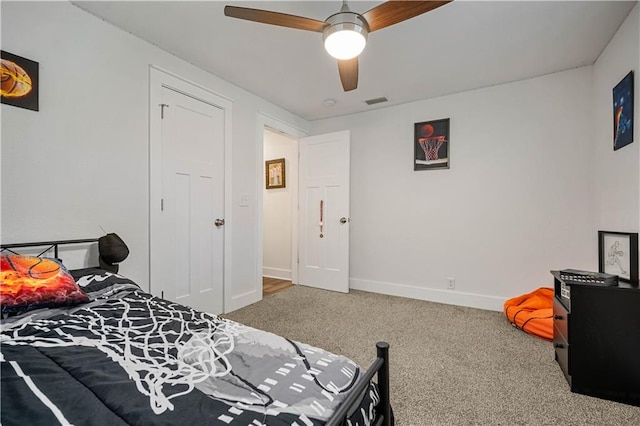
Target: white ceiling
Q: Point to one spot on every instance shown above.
(461, 46)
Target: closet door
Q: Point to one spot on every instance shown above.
(188, 237)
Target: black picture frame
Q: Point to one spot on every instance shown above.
(431, 145)
(19, 81)
(623, 110)
(618, 255)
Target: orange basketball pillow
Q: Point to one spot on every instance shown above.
(532, 312)
(28, 283)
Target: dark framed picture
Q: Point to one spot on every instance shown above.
(275, 176)
(19, 81)
(618, 255)
(623, 112)
(431, 145)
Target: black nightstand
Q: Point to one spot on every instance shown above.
(596, 338)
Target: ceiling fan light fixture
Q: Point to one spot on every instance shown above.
(346, 35)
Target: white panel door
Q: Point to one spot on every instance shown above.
(192, 200)
(324, 211)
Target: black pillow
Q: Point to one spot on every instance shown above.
(112, 249)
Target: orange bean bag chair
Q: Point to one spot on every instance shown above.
(532, 312)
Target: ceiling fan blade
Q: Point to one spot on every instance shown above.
(395, 11)
(348, 69)
(274, 18)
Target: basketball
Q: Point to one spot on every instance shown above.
(15, 82)
(426, 130)
(33, 267)
(44, 269)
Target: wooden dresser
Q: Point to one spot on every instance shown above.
(597, 339)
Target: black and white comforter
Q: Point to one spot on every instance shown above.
(130, 358)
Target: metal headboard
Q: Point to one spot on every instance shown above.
(48, 244)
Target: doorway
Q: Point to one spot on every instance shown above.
(324, 187)
(319, 178)
(278, 212)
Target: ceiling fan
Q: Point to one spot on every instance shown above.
(344, 33)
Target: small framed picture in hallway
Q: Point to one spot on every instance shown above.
(275, 176)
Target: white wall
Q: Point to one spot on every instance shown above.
(515, 203)
(616, 175)
(529, 184)
(277, 211)
(82, 161)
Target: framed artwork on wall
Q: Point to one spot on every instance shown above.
(618, 255)
(19, 81)
(275, 175)
(431, 145)
(623, 112)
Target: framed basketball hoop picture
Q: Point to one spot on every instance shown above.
(19, 81)
(431, 145)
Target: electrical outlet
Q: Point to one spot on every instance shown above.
(451, 283)
(244, 201)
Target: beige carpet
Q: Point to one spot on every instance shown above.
(449, 365)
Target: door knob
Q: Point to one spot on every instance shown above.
(344, 220)
(219, 222)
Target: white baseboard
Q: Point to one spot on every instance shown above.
(450, 297)
(281, 274)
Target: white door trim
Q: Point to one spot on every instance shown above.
(266, 121)
(159, 78)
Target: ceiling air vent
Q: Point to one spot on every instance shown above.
(376, 101)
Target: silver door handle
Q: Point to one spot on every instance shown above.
(344, 220)
(219, 222)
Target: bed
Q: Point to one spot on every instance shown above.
(107, 352)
